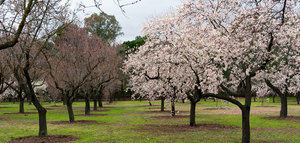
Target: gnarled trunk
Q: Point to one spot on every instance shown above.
(193, 114)
(87, 106)
(283, 110)
(162, 104)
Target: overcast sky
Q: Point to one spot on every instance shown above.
(136, 15)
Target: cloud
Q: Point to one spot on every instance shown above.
(135, 15)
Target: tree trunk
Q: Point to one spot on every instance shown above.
(70, 110)
(193, 114)
(21, 106)
(100, 101)
(95, 104)
(283, 110)
(246, 125)
(87, 106)
(262, 101)
(42, 122)
(150, 104)
(173, 108)
(162, 104)
(41, 110)
(254, 99)
(63, 99)
(273, 98)
(29, 102)
(298, 98)
(182, 100)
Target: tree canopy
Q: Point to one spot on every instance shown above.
(104, 25)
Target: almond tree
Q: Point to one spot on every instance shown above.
(24, 60)
(283, 73)
(237, 41)
(71, 61)
(242, 36)
(174, 48)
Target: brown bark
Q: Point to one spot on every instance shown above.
(95, 104)
(150, 104)
(283, 110)
(42, 122)
(193, 114)
(21, 106)
(100, 101)
(162, 104)
(41, 110)
(87, 106)
(70, 110)
(173, 108)
(246, 125)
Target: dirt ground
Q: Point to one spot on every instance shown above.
(90, 122)
(22, 113)
(255, 110)
(289, 118)
(170, 117)
(91, 115)
(184, 128)
(48, 139)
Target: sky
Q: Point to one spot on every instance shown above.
(135, 15)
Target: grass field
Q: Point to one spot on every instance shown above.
(135, 121)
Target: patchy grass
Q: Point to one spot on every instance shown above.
(135, 121)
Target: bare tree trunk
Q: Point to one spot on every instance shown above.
(246, 112)
(42, 123)
(87, 106)
(100, 101)
(29, 101)
(70, 110)
(193, 114)
(283, 110)
(150, 104)
(95, 104)
(64, 100)
(21, 100)
(162, 104)
(21, 106)
(246, 125)
(41, 110)
(173, 107)
(298, 97)
(274, 98)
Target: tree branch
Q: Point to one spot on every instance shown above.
(14, 41)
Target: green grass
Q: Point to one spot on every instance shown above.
(125, 123)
